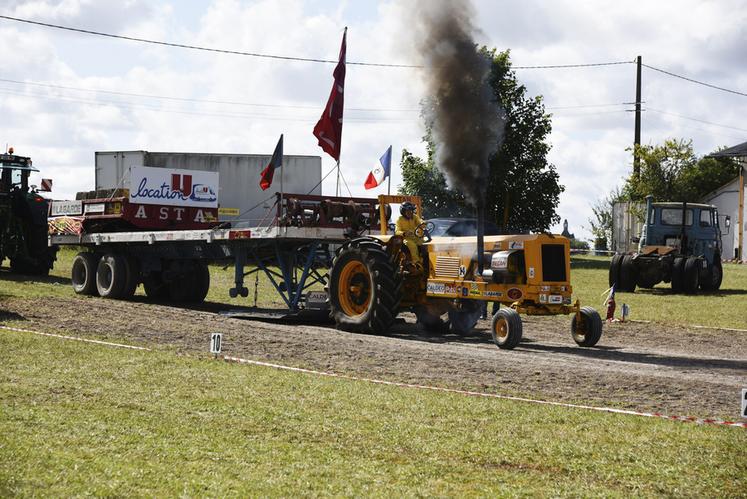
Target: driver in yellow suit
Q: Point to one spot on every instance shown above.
(406, 225)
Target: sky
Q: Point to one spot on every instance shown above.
(65, 95)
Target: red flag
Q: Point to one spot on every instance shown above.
(275, 162)
(329, 128)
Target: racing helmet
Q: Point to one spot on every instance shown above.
(407, 205)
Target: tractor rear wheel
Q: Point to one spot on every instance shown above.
(506, 328)
(614, 274)
(365, 287)
(588, 331)
(83, 274)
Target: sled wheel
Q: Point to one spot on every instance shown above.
(201, 284)
(83, 274)
(133, 277)
(111, 276)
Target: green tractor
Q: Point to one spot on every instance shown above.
(23, 219)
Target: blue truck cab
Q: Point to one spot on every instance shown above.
(680, 243)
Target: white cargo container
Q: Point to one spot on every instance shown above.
(239, 174)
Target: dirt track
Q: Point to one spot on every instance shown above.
(676, 370)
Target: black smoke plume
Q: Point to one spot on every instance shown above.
(461, 110)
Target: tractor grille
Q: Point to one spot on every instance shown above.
(553, 263)
(447, 266)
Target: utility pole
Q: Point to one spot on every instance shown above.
(637, 138)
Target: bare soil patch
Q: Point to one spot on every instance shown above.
(641, 366)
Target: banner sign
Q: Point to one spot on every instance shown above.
(171, 187)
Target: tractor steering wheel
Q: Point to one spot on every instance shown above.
(424, 231)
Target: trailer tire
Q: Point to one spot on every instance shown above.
(588, 332)
(714, 276)
(83, 274)
(201, 284)
(133, 277)
(691, 277)
(111, 276)
(506, 328)
(155, 288)
(614, 273)
(364, 287)
(628, 275)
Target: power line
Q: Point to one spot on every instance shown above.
(695, 81)
(133, 106)
(204, 49)
(563, 66)
(277, 57)
(187, 99)
(696, 119)
(251, 104)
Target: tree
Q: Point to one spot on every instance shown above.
(523, 189)
(601, 224)
(673, 172)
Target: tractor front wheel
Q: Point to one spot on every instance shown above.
(365, 287)
(587, 331)
(506, 328)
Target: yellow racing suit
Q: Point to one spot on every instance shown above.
(406, 227)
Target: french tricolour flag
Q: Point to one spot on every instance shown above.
(380, 171)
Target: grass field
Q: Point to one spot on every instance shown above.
(82, 419)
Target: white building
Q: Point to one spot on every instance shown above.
(729, 199)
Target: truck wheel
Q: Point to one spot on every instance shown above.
(713, 277)
(154, 287)
(691, 275)
(614, 274)
(201, 284)
(365, 287)
(506, 328)
(628, 275)
(587, 332)
(678, 274)
(83, 274)
(111, 276)
(463, 321)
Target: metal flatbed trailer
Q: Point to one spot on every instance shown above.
(293, 259)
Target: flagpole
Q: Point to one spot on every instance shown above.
(337, 188)
(389, 184)
(282, 174)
